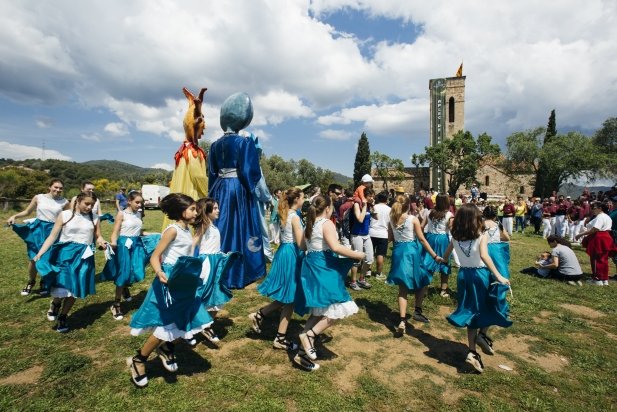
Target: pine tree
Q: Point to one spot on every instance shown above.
(545, 183)
(362, 164)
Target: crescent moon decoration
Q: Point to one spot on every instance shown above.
(253, 244)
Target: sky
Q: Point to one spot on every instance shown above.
(103, 80)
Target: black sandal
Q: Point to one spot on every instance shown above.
(281, 342)
(140, 380)
(309, 350)
(256, 319)
(304, 362)
(28, 289)
(166, 353)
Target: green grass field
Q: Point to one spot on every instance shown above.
(561, 350)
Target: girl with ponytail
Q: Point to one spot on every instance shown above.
(322, 277)
(282, 282)
(437, 228)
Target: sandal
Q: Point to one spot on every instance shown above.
(116, 311)
(137, 366)
(43, 291)
(28, 289)
(307, 344)
(166, 353)
(210, 335)
(54, 309)
(256, 319)
(281, 342)
(304, 362)
(126, 294)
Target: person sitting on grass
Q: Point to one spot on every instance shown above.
(564, 265)
(542, 260)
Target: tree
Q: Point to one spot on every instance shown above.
(459, 158)
(545, 182)
(564, 157)
(362, 164)
(388, 169)
(605, 139)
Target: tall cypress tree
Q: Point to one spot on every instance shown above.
(362, 164)
(545, 182)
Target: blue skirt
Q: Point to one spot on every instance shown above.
(175, 303)
(500, 254)
(323, 279)
(33, 234)
(406, 268)
(284, 276)
(479, 304)
(213, 292)
(239, 224)
(62, 266)
(127, 265)
(439, 243)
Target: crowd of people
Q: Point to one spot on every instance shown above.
(322, 241)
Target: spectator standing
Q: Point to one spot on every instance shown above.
(121, 200)
(519, 214)
(536, 211)
(508, 215)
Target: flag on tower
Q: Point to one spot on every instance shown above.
(459, 72)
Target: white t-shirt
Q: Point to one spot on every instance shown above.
(379, 225)
(602, 222)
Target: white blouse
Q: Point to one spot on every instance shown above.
(48, 208)
(404, 232)
(180, 246)
(468, 252)
(131, 225)
(79, 229)
(439, 227)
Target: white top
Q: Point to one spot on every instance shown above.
(210, 242)
(493, 234)
(439, 227)
(96, 209)
(180, 246)
(131, 224)
(317, 243)
(468, 252)
(287, 233)
(379, 225)
(602, 222)
(79, 229)
(48, 208)
(404, 232)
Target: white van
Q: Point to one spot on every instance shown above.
(153, 194)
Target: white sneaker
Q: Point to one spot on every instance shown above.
(605, 282)
(595, 282)
(368, 273)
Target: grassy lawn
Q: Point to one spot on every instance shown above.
(560, 349)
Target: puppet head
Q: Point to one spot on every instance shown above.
(194, 123)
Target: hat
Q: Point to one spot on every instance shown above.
(399, 189)
(367, 179)
(568, 197)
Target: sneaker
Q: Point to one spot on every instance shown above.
(126, 294)
(281, 342)
(210, 335)
(27, 289)
(137, 366)
(380, 276)
(304, 362)
(354, 286)
(256, 318)
(444, 293)
(61, 324)
(578, 282)
(605, 282)
(486, 343)
(364, 284)
(116, 312)
(420, 317)
(368, 273)
(474, 359)
(52, 313)
(166, 353)
(571, 283)
(595, 282)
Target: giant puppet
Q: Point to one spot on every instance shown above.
(234, 175)
(190, 172)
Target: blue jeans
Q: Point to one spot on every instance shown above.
(519, 220)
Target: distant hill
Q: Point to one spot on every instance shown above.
(342, 179)
(575, 191)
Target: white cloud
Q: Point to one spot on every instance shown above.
(43, 122)
(21, 152)
(164, 166)
(116, 129)
(277, 106)
(91, 137)
(332, 134)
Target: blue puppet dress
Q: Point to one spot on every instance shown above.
(127, 265)
(283, 281)
(478, 304)
(37, 230)
(437, 236)
(406, 268)
(233, 174)
(68, 266)
(173, 310)
(323, 279)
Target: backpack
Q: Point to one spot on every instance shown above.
(346, 223)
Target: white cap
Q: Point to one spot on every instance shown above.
(367, 179)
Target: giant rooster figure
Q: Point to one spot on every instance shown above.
(190, 173)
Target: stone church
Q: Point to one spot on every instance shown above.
(447, 117)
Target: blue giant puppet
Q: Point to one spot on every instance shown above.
(233, 176)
